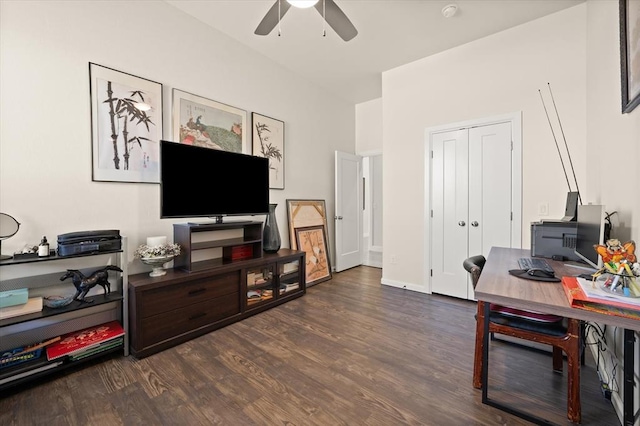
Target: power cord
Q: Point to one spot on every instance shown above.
(601, 345)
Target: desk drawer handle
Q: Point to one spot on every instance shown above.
(461, 223)
(196, 316)
(196, 292)
(474, 223)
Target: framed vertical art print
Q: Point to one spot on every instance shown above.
(268, 141)
(303, 213)
(312, 240)
(126, 126)
(630, 53)
(202, 122)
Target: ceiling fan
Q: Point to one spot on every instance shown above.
(329, 10)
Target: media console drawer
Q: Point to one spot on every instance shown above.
(173, 323)
(163, 299)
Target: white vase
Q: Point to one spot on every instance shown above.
(157, 263)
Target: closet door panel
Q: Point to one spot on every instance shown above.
(490, 170)
(450, 202)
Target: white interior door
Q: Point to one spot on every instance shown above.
(449, 195)
(471, 199)
(348, 217)
(490, 171)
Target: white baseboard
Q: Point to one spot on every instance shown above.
(372, 263)
(403, 285)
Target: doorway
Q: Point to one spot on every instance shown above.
(372, 209)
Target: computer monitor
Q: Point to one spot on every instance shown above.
(590, 231)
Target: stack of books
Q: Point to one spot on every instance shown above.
(285, 288)
(87, 342)
(584, 294)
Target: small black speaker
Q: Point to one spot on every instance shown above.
(571, 209)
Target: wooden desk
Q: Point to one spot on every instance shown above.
(497, 286)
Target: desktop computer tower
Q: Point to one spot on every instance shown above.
(554, 240)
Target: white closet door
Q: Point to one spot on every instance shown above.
(471, 199)
(490, 171)
(450, 177)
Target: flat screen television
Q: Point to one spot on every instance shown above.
(590, 231)
(205, 182)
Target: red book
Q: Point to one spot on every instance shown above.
(578, 298)
(82, 340)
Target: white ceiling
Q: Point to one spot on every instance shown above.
(390, 33)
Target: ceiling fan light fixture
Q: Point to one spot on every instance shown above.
(302, 4)
(449, 10)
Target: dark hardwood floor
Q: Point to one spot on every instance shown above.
(350, 352)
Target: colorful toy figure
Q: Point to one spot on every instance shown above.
(614, 252)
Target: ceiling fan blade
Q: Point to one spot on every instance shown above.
(336, 18)
(271, 19)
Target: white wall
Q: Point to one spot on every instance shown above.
(607, 128)
(493, 76)
(369, 127)
(45, 145)
(369, 145)
(610, 131)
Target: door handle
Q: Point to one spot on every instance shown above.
(474, 223)
(338, 217)
(461, 223)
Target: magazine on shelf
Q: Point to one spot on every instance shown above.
(79, 341)
(94, 350)
(582, 294)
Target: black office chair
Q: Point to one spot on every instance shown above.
(563, 334)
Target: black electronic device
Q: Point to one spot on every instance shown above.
(573, 197)
(83, 242)
(203, 182)
(571, 207)
(554, 239)
(590, 231)
(533, 264)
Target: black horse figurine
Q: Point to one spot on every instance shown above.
(84, 284)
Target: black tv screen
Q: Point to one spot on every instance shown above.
(205, 182)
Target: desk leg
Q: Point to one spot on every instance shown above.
(485, 377)
(628, 384)
(485, 351)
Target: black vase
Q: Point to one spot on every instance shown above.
(270, 233)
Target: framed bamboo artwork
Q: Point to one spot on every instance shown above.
(126, 126)
(268, 142)
(312, 240)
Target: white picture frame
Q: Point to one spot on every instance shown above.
(126, 126)
(268, 142)
(204, 122)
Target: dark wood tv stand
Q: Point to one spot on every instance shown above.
(196, 298)
(211, 245)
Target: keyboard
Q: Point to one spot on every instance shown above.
(527, 263)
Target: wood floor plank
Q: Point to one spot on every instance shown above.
(350, 352)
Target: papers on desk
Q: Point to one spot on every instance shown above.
(595, 291)
(583, 295)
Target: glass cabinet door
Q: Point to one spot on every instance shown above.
(289, 277)
(260, 285)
